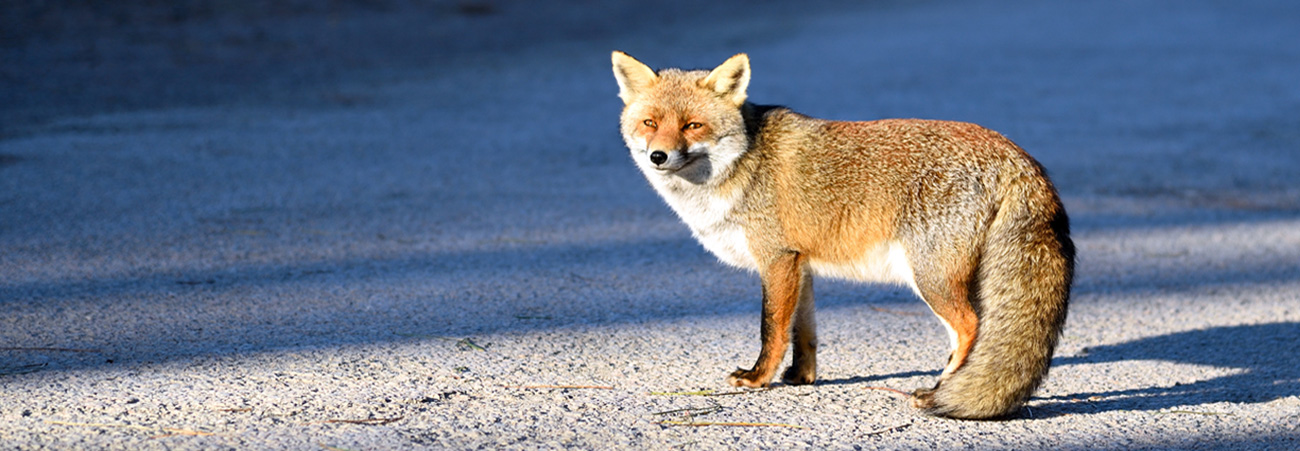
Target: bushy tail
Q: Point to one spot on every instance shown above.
(1023, 286)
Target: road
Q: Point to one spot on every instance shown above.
(389, 225)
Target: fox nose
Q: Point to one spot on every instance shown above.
(658, 157)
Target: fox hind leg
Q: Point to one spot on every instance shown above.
(948, 293)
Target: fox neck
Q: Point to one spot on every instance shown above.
(709, 199)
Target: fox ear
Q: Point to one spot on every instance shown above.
(731, 79)
(633, 76)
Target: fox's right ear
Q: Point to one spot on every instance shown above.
(632, 75)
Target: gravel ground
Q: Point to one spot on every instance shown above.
(386, 224)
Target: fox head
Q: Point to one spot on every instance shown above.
(685, 124)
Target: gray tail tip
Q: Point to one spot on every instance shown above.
(925, 400)
(957, 413)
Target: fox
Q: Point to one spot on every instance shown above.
(958, 213)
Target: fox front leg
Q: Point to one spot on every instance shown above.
(783, 281)
(803, 367)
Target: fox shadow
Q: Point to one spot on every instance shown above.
(1262, 358)
(1266, 367)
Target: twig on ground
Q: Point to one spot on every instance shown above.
(888, 429)
(367, 421)
(170, 432)
(470, 344)
(691, 412)
(895, 390)
(21, 369)
(733, 424)
(683, 393)
(561, 387)
(742, 392)
(710, 392)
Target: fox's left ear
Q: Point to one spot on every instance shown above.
(731, 79)
(633, 76)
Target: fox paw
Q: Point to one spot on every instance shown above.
(797, 376)
(747, 378)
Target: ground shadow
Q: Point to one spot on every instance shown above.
(604, 283)
(1263, 355)
(878, 377)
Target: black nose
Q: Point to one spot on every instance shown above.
(658, 157)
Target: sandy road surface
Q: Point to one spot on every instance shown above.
(374, 225)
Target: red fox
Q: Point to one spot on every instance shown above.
(953, 210)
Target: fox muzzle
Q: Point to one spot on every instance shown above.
(658, 157)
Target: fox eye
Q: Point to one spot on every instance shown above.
(650, 123)
(692, 126)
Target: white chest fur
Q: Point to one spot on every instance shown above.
(711, 216)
